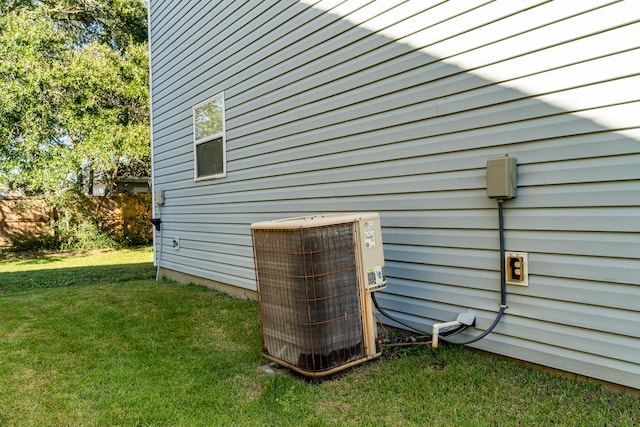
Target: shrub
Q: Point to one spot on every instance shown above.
(82, 234)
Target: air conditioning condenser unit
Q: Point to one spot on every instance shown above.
(315, 275)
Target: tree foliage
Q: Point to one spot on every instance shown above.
(73, 92)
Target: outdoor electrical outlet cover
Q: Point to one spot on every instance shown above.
(516, 268)
(176, 243)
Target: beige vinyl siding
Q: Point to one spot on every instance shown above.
(394, 107)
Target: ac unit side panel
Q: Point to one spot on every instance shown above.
(371, 253)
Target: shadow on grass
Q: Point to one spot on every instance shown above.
(28, 257)
(74, 276)
(34, 259)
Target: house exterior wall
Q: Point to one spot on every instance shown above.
(394, 107)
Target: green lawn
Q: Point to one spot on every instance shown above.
(93, 340)
(20, 272)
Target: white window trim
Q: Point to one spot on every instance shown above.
(197, 142)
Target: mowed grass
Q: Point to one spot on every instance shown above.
(93, 352)
(59, 269)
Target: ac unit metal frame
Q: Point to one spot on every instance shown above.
(315, 276)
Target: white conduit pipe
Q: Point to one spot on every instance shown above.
(435, 330)
(464, 319)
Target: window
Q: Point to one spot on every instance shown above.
(209, 139)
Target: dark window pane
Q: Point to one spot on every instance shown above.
(209, 157)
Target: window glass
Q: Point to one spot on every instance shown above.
(209, 139)
(209, 159)
(208, 119)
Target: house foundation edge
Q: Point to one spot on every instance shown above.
(185, 278)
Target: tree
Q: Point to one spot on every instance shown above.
(73, 92)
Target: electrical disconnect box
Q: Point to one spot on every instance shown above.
(159, 197)
(501, 177)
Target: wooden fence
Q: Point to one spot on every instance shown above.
(24, 218)
(124, 216)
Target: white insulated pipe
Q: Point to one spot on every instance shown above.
(464, 319)
(435, 330)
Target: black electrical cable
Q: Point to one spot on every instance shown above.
(503, 286)
(385, 314)
(412, 327)
(503, 297)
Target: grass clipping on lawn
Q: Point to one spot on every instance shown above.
(138, 352)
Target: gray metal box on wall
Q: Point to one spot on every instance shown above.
(501, 177)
